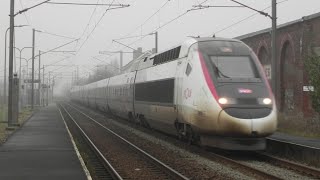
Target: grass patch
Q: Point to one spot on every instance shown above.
(299, 133)
(3, 132)
(1, 113)
(23, 116)
(299, 126)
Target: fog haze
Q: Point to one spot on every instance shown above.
(95, 35)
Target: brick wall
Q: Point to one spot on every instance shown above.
(295, 42)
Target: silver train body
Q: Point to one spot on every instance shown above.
(208, 90)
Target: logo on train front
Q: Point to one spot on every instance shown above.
(244, 91)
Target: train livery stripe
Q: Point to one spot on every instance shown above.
(207, 77)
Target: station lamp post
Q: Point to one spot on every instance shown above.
(5, 72)
(20, 52)
(11, 119)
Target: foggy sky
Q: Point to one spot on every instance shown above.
(71, 21)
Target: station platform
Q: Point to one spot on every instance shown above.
(41, 149)
(298, 140)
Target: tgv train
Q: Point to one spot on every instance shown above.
(211, 91)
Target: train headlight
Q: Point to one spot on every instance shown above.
(223, 101)
(266, 101)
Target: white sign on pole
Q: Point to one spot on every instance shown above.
(308, 88)
(267, 70)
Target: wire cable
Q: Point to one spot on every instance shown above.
(156, 12)
(128, 34)
(165, 24)
(95, 27)
(93, 12)
(246, 18)
(28, 22)
(57, 35)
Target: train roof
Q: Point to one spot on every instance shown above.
(147, 59)
(201, 39)
(175, 52)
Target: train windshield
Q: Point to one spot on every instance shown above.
(233, 67)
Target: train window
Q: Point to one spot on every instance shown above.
(224, 67)
(189, 69)
(161, 91)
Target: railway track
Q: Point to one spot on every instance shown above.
(249, 161)
(128, 160)
(242, 166)
(306, 154)
(290, 165)
(250, 170)
(100, 168)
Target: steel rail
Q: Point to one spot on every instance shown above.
(111, 169)
(170, 170)
(219, 157)
(246, 167)
(292, 143)
(290, 165)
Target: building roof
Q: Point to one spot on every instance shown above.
(304, 18)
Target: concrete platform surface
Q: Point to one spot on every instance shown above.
(41, 149)
(312, 142)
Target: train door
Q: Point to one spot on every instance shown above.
(105, 95)
(183, 88)
(130, 95)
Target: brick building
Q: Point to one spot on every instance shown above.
(296, 40)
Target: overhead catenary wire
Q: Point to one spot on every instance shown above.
(94, 27)
(84, 4)
(53, 34)
(58, 61)
(260, 12)
(93, 12)
(165, 24)
(244, 19)
(145, 21)
(27, 9)
(156, 12)
(25, 16)
(45, 52)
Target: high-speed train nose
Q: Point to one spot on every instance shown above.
(248, 113)
(247, 122)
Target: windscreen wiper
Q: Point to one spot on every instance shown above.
(220, 73)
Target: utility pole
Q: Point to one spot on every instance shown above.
(48, 88)
(10, 104)
(52, 88)
(77, 76)
(274, 48)
(121, 61)
(156, 41)
(32, 73)
(43, 87)
(39, 76)
(5, 78)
